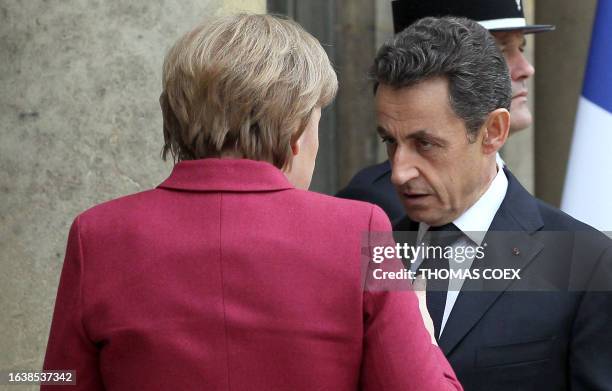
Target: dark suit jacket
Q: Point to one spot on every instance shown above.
(373, 184)
(552, 330)
(226, 277)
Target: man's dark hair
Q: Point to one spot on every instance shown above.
(458, 49)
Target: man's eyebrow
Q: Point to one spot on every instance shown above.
(422, 134)
(425, 135)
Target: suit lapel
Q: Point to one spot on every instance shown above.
(514, 247)
(477, 296)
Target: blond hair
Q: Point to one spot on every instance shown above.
(243, 85)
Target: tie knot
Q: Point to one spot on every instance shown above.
(450, 227)
(444, 235)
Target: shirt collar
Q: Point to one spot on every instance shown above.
(500, 162)
(238, 175)
(475, 221)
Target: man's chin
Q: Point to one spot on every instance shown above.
(421, 216)
(520, 120)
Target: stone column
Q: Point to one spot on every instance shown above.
(561, 59)
(356, 133)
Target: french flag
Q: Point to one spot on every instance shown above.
(587, 194)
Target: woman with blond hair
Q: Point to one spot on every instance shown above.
(230, 275)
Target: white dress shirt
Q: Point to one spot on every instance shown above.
(474, 224)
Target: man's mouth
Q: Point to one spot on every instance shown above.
(414, 196)
(522, 94)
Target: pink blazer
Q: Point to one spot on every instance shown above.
(226, 277)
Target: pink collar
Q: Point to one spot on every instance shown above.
(214, 174)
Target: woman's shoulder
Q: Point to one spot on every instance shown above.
(152, 205)
(118, 209)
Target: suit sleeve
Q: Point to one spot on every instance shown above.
(69, 347)
(397, 352)
(590, 359)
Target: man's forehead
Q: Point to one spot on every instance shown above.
(424, 99)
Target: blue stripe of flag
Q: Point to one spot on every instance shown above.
(598, 77)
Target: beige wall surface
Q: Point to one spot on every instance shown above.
(80, 124)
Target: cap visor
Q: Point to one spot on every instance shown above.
(529, 29)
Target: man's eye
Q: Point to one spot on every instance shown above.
(425, 145)
(387, 140)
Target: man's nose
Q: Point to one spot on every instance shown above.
(403, 167)
(521, 68)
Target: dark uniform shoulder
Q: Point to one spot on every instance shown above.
(370, 175)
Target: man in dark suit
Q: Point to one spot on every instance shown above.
(443, 95)
(506, 22)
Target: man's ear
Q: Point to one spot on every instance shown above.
(496, 130)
